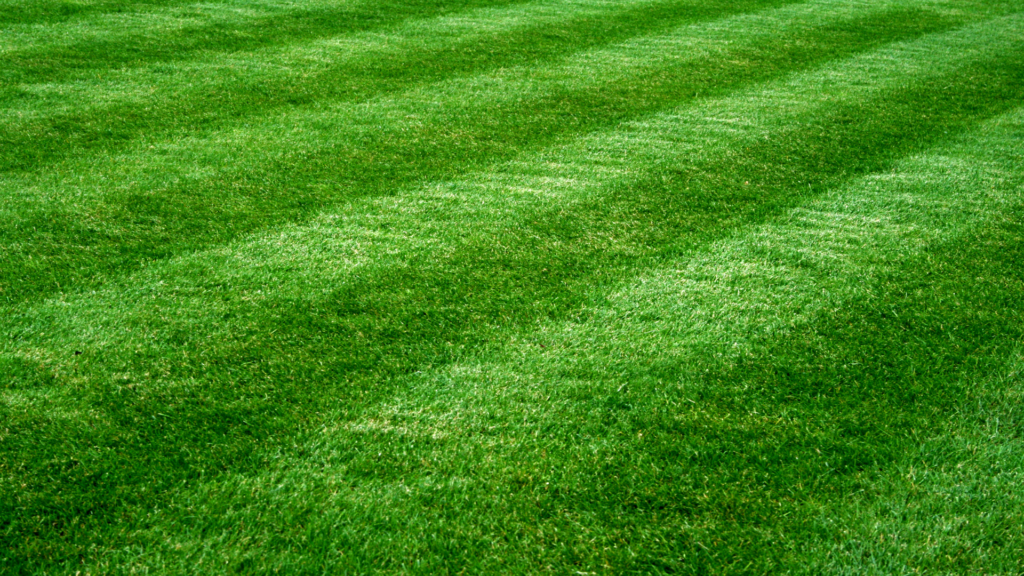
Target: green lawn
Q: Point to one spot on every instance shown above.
(512, 287)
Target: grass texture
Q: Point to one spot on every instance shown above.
(512, 287)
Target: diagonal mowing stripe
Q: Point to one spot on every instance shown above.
(15, 13)
(570, 175)
(94, 216)
(311, 262)
(208, 89)
(160, 329)
(510, 446)
(117, 61)
(680, 141)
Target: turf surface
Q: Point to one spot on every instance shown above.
(567, 286)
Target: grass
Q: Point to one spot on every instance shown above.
(558, 286)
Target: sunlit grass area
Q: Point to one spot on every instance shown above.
(554, 286)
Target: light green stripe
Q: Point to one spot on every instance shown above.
(144, 21)
(366, 237)
(159, 164)
(297, 60)
(485, 417)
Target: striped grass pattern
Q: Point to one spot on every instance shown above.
(511, 286)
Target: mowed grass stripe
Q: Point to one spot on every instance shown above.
(171, 103)
(703, 416)
(685, 353)
(15, 13)
(691, 141)
(133, 54)
(234, 349)
(342, 66)
(90, 217)
(114, 44)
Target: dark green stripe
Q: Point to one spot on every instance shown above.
(30, 147)
(743, 452)
(53, 64)
(24, 12)
(255, 390)
(59, 249)
(864, 386)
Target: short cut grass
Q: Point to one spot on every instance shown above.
(568, 286)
